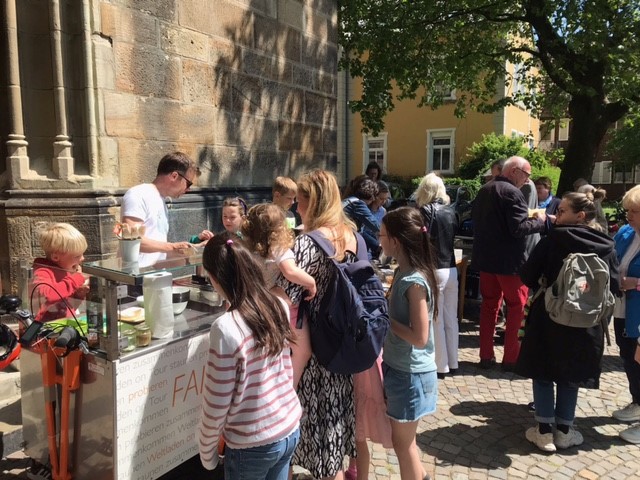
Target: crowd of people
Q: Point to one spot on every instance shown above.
(274, 404)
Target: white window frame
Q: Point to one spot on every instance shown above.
(563, 132)
(366, 149)
(439, 133)
(602, 174)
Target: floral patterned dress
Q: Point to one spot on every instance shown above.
(327, 428)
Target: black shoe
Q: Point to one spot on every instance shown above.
(441, 375)
(487, 363)
(531, 406)
(453, 371)
(508, 367)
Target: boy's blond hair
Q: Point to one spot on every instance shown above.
(61, 238)
(284, 185)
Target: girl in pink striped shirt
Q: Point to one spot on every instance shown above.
(248, 393)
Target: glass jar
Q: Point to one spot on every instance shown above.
(143, 335)
(127, 340)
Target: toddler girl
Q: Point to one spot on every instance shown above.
(409, 368)
(266, 233)
(248, 396)
(234, 211)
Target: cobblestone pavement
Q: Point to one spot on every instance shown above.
(478, 429)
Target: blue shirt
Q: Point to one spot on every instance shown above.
(398, 353)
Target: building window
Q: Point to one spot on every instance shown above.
(374, 149)
(601, 173)
(623, 176)
(440, 149)
(563, 130)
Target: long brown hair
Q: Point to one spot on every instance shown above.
(235, 268)
(406, 225)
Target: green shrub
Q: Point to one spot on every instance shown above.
(492, 147)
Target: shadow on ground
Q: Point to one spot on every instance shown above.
(494, 433)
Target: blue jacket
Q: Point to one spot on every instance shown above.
(623, 239)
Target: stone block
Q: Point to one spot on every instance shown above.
(105, 76)
(316, 25)
(319, 110)
(326, 7)
(139, 158)
(273, 68)
(108, 164)
(121, 115)
(226, 20)
(290, 12)
(296, 136)
(228, 165)
(292, 105)
(222, 94)
(268, 164)
(127, 25)
(246, 94)
(265, 133)
(163, 9)
(147, 71)
(184, 43)
(224, 54)
(198, 82)
(289, 43)
(330, 140)
(304, 77)
(319, 55)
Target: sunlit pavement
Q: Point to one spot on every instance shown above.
(478, 429)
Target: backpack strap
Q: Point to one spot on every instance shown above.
(329, 250)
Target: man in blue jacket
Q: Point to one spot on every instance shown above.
(501, 224)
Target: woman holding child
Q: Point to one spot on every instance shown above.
(327, 433)
(555, 355)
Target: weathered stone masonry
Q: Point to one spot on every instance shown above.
(97, 91)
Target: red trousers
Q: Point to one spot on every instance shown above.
(493, 289)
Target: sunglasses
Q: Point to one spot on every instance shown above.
(189, 182)
(528, 174)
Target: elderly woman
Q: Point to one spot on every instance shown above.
(327, 433)
(441, 222)
(626, 315)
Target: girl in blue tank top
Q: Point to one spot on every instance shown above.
(409, 367)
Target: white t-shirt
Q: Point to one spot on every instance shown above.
(272, 267)
(145, 202)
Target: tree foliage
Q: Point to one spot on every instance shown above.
(624, 145)
(575, 56)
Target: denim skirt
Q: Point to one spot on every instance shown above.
(410, 396)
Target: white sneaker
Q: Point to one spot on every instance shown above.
(567, 440)
(631, 434)
(630, 413)
(544, 441)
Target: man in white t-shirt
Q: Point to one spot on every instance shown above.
(145, 203)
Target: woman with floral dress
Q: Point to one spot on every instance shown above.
(327, 429)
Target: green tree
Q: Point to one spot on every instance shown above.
(575, 56)
(624, 145)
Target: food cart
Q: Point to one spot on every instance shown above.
(135, 414)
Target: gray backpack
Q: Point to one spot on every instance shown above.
(580, 297)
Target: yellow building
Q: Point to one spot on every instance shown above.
(416, 140)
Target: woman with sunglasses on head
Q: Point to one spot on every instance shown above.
(554, 355)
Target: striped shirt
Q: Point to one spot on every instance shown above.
(248, 396)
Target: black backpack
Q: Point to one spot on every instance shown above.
(353, 320)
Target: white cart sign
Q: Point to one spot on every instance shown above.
(158, 407)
